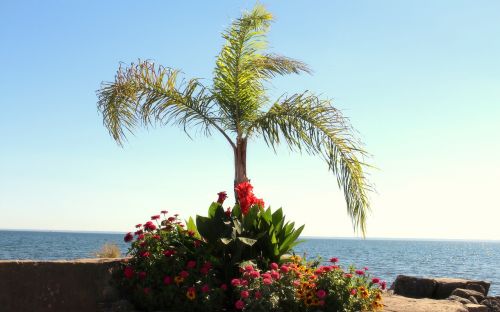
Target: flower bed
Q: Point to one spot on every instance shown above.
(238, 259)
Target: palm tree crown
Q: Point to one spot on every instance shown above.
(148, 94)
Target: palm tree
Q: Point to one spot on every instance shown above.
(236, 106)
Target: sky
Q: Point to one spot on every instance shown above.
(419, 81)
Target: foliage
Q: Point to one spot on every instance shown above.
(169, 267)
(236, 106)
(297, 286)
(247, 233)
(108, 250)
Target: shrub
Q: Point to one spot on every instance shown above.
(108, 250)
(169, 267)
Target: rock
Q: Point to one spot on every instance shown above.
(394, 303)
(493, 303)
(477, 287)
(414, 287)
(466, 293)
(473, 300)
(459, 299)
(476, 308)
(445, 286)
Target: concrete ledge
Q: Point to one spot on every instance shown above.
(74, 285)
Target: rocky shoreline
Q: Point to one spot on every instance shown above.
(440, 294)
(87, 285)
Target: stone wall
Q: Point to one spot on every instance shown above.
(78, 285)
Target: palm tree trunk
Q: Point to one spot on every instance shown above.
(240, 162)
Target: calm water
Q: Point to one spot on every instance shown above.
(385, 258)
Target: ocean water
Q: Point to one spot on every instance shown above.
(384, 258)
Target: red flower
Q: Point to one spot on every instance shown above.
(348, 275)
(235, 282)
(284, 269)
(128, 238)
(139, 232)
(184, 274)
(383, 285)
(266, 276)
(147, 290)
(246, 198)
(239, 304)
(360, 272)
(191, 233)
(145, 254)
(164, 212)
(138, 225)
(228, 212)
(169, 253)
(267, 281)
(142, 275)
(128, 272)
(334, 260)
(222, 197)
(375, 280)
(321, 294)
(353, 291)
(254, 274)
(171, 219)
(205, 288)
(167, 280)
(258, 295)
(273, 266)
(191, 264)
(275, 275)
(155, 217)
(244, 294)
(223, 287)
(149, 226)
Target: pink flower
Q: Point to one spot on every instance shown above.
(184, 274)
(249, 268)
(275, 275)
(321, 294)
(348, 275)
(383, 285)
(222, 197)
(334, 260)
(167, 280)
(267, 281)
(284, 269)
(365, 268)
(239, 304)
(353, 292)
(244, 294)
(360, 272)
(254, 274)
(235, 282)
(273, 266)
(128, 238)
(266, 275)
(128, 272)
(205, 288)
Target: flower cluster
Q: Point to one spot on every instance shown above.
(299, 286)
(246, 197)
(168, 268)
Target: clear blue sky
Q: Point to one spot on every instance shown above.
(420, 81)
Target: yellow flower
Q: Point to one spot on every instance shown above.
(191, 293)
(178, 280)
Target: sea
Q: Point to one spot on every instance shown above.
(384, 258)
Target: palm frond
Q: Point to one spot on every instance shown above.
(271, 65)
(237, 86)
(305, 122)
(146, 94)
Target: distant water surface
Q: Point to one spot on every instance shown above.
(385, 258)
